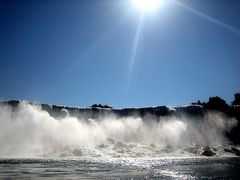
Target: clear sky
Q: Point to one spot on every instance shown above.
(80, 52)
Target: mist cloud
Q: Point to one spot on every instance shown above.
(30, 131)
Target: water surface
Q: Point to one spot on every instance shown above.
(167, 168)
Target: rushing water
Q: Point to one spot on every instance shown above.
(34, 144)
(167, 168)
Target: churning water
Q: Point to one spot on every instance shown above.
(35, 144)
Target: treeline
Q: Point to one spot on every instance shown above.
(219, 104)
(232, 110)
(101, 106)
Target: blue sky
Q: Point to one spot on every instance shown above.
(107, 51)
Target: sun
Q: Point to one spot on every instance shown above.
(147, 5)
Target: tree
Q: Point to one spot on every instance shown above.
(197, 103)
(216, 103)
(236, 100)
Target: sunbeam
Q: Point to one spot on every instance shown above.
(134, 49)
(209, 18)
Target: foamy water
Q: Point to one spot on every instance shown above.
(29, 131)
(36, 145)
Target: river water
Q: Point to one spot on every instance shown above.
(120, 168)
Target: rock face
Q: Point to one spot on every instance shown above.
(207, 152)
(228, 150)
(98, 110)
(197, 111)
(235, 151)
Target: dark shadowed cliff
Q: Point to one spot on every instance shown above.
(196, 110)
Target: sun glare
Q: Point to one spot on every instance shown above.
(147, 5)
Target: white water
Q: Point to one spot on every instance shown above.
(29, 131)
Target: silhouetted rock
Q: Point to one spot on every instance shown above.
(207, 152)
(228, 150)
(235, 151)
